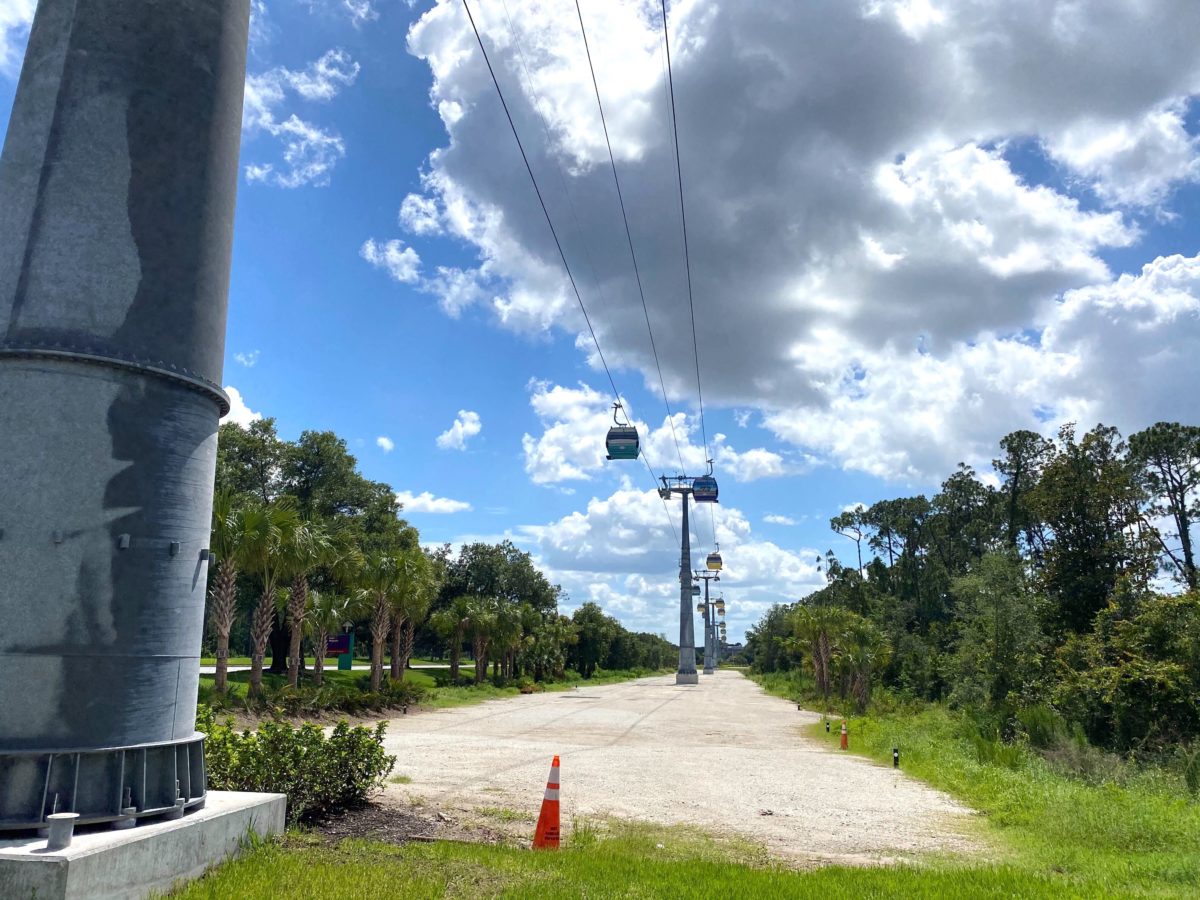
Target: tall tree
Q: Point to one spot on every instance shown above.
(379, 577)
(306, 547)
(1025, 456)
(249, 459)
(1089, 498)
(1168, 456)
(266, 527)
(227, 531)
(451, 623)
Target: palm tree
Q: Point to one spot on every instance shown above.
(227, 530)
(483, 619)
(266, 529)
(306, 547)
(422, 583)
(411, 566)
(380, 574)
(817, 628)
(451, 623)
(329, 611)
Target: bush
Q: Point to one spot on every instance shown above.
(1191, 773)
(308, 700)
(319, 774)
(1044, 727)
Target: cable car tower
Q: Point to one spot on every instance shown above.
(708, 608)
(704, 490)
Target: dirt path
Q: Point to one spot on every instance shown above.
(723, 756)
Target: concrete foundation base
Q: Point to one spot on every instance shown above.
(687, 678)
(107, 864)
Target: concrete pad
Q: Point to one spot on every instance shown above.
(103, 864)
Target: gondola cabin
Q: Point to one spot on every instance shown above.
(622, 442)
(704, 489)
(714, 562)
(695, 590)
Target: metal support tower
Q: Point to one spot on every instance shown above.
(687, 636)
(117, 187)
(710, 624)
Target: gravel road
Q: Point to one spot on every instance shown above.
(723, 756)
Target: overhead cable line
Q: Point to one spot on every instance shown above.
(629, 234)
(687, 261)
(550, 224)
(683, 219)
(541, 201)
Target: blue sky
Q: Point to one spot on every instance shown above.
(895, 265)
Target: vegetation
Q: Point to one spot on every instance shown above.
(319, 774)
(1042, 598)
(305, 548)
(1091, 821)
(622, 860)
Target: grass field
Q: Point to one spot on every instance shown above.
(1053, 836)
(624, 860)
(330, 661)
(1137, 838)
(434, 698)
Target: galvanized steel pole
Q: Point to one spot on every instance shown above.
(117, 189)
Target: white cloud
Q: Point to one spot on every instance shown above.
(385, 443)
(621, 551)
(465, 427)
(15, 16)
(239, 413)
(419, 215)
(575, 423)
(247, 359)
(1132, 162)
(873, 277)
(774, 519)
(400, 262)
(425, 502)
(310, 152)
(359, 11)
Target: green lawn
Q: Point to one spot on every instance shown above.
(330, 661)
(1053, 836)
(631, 860)
(1140, 838)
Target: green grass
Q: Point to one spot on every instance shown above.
(330, 661)
(1140, 838)
(624, 861)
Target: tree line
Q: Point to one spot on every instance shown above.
(1067, 583)
(304, 547)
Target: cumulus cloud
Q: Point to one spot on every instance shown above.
(385, 443)
(1136, 162)
(874, 275)
(239, 413)
(400, 262)
(420, 215)
(249, 360)
(425, 502)
(358, 11)
(623, 551)
(575, 422)
(310, 152)
(466, 425)
(15, 16)
(774, 519)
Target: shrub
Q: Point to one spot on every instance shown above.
(1191, 773)
(1044, 727)
(319, 774)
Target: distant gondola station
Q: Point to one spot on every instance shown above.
(622, 441)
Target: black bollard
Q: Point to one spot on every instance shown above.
(827, 726)
(895, 757)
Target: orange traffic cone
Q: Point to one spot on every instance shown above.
(845, 737)
(546, 835)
